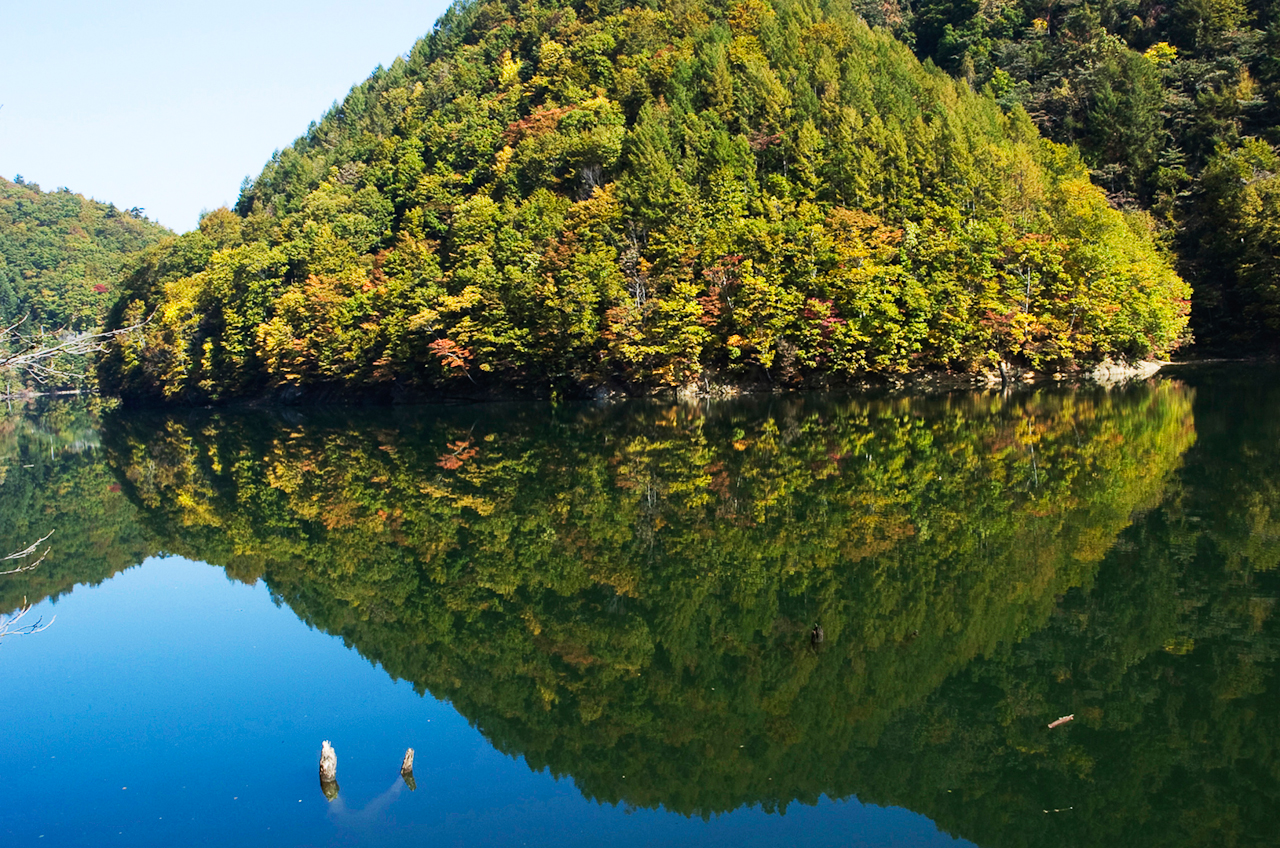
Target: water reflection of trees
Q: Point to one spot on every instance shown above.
(1169, 662)
(629, 591)
(55, 484)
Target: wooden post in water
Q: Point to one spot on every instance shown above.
(328, 771)
(406, 770)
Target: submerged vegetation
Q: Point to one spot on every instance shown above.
(569, 194)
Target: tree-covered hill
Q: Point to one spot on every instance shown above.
(567, 194)
(1175, 105)
(62, 255)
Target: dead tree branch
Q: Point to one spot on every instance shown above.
(40, 354)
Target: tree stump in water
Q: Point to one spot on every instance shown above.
(328, 771)
(406, 770)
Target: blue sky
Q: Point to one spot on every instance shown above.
(169, 105)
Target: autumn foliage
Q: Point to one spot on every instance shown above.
(570, 194)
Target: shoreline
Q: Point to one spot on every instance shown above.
(708, 386)
(1006, 377)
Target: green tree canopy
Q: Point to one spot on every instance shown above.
(567, 194)
(1161, 98)
(61, 255)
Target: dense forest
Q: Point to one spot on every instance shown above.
(62, 255)
(569, 195)
(1175, 107)
(576, 194)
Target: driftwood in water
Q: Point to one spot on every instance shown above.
(406, 770)
(328, 771)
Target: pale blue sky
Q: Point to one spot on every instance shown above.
(169, 105)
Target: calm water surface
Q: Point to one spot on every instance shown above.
(594, 623)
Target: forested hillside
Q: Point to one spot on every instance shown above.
(62, 254)
(569, 194)
(1174, 106)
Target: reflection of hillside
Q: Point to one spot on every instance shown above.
(1169, 665)
(53, 478)
(629, 591)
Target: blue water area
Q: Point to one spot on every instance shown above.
(173, 706)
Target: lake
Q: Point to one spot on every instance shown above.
(600, 622)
